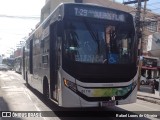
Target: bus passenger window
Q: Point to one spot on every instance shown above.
(45, 59)
(42, 43)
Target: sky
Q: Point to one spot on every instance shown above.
(17, 18)
(14, 27)
(153, 5)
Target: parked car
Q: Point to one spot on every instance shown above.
(157, 79)
(10, 67)
(143, 80)
(152, 80)
(3, 67)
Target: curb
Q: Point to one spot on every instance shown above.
(155, 101)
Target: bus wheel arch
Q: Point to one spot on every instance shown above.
(45, 87)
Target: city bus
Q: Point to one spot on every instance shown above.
(18, 64)
(83, 55)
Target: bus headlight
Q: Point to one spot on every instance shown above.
(70, 85)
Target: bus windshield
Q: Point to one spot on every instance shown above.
(89, 42)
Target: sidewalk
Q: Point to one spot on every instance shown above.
(149, 97)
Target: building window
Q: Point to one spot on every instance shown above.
(152, 27)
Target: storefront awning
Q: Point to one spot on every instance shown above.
(149, 68)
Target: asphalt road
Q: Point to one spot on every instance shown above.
(15, 96)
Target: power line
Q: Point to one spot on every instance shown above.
(12, 33)
(20, 17)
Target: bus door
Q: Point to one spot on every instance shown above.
(31, 57)
(23, 63)
(54, 61)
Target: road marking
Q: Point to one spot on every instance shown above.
(11, 77)
(2, 84)
(146, 107)
(3, 75)
(6, 87)
(7, 78)
(26, 92)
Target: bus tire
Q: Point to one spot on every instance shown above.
(46, 89)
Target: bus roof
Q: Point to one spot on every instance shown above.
(86, 5)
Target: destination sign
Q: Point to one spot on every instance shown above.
(100, 14)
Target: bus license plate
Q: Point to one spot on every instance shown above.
(108, 103)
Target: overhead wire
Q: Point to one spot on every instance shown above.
(152, 6)
(20, 17)
(17, 17)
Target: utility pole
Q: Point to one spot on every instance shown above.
(139, 32)
(143, 27)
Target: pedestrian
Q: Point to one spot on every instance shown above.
(152, 86)
(156, 85)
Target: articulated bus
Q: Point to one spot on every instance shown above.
(84, 55)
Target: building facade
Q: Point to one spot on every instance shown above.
(49, 6)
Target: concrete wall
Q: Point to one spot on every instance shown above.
(50, 6)
(111, 4)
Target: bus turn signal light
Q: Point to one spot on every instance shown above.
(70, 85)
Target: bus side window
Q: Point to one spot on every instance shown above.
(42, 43)
(45, 59)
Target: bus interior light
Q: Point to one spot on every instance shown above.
(70, 85)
